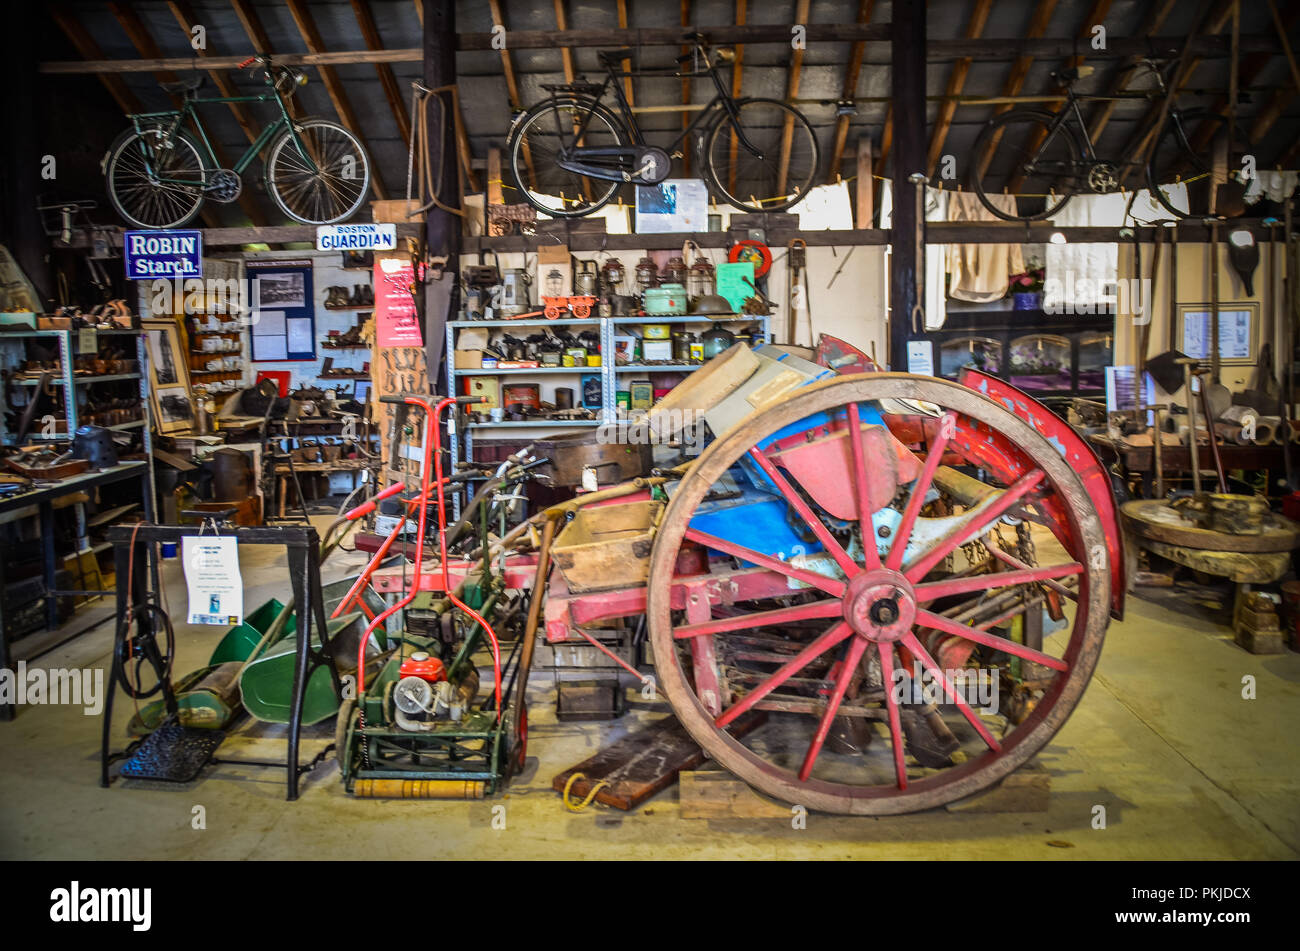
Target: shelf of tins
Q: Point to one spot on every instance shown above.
(609, 371)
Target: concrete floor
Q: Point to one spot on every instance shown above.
(1186, 768)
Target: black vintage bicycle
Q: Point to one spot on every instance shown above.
(570, 153)
(159, 174)
(1197, 168)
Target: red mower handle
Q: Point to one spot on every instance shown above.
(248, 62)
(365, 508)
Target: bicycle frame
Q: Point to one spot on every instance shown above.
(142, 120)
(722, 100)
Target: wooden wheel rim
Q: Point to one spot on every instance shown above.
(953, 783)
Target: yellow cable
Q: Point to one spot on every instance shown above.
(568, 803)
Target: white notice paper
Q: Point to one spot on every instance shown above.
(216, 590)
(920, 357)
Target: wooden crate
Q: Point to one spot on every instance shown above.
(607, 546)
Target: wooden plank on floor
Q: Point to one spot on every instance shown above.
(640, 764)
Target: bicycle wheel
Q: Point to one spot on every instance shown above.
(1191, 147)
(147, 177)
(1019, 153)
(535, 143)
(329, 188)
(780, 168)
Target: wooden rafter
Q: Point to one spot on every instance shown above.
(686, 85)
(185, 18)
(1101, 117)
(566, 54)
(1220, 11)
(145, 45)
(1019, 70)
(936, 50)
(311, 37)
(419, 12)
(86, 46)
(512, 91)
(737, 71)
(626, 64)
(851, 72)
(791, 92)
(1095, 17)
(387, 78)
(956, 82)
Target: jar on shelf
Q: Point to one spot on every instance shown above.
(674, 272)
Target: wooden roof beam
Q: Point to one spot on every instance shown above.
(1094, 18)
(802, 9)
(85, 44)
(1020, 68)
(851, 72)
(185, 18)
(387, 78)
(311, 37)
(956, 82)
(145, 45)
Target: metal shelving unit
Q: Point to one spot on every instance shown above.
(608, 371)
(142, 469)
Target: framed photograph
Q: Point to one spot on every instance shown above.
(1238, 331)
(169, 375)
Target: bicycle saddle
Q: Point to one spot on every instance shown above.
(1067, 76)
(614, 57)
(183, 87)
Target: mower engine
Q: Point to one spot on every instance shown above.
(423, 696)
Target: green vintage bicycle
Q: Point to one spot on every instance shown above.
(159, 174)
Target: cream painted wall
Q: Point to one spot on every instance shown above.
(1194, 275)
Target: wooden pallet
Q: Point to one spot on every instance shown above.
(641, 763)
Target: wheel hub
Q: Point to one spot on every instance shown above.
(1103, 177)
(880, 605)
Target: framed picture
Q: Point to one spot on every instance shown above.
(169, 375)
(1238, 331)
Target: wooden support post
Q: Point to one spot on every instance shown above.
(866, 184)
(907, 88)
(442, 229)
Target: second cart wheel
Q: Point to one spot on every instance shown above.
(581, 310)
(897, 556)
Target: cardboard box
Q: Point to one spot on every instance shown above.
(468, 359)
(394, 211)
(554, 270)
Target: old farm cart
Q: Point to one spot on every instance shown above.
(850, 563)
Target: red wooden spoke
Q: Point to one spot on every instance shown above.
(949, 543)
(800, 612)
(831, 586)
(991, 582)
(917, 496)
(797, 663)
(1007, 559)
(918, 651)
(895, 730)
(832, 705)
(941, 623)
(871, 556)
(833, 547)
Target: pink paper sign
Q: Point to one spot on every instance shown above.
(397, 323)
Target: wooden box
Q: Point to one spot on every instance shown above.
(607, 546)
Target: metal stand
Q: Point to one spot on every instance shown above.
(303, 546)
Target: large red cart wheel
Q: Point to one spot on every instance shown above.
(830, 646)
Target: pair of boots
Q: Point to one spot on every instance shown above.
(361, 296)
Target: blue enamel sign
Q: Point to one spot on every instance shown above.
(167, 254)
